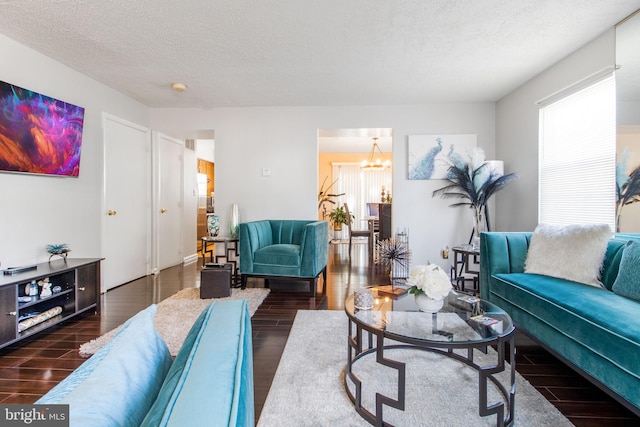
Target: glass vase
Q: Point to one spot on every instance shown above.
(213, 225)
(234, 222)
(479, 225)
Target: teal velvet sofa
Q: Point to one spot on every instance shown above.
(133, 381)
(592, 329)
(284, 249)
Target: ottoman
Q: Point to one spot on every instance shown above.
(215, 281)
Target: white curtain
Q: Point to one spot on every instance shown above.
(360, 187)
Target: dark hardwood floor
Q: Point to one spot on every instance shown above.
(31, 368)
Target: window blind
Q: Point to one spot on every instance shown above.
(577, 157)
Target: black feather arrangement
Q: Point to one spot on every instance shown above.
(468, 184)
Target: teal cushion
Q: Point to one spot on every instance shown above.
(627, 283)
(288, 231)
(211, 380)
(283, 254)
(612, 258)
(117, 385)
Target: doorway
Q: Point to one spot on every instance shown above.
(341, 179)
(205, 157)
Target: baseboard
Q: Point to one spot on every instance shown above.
(190, 259)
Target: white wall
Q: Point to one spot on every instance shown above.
(628, 113)
(284, 139)
(205, 150)
(39, 210)
(517, 129)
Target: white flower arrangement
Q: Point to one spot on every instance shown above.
(429, 279)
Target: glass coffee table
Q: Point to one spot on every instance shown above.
(461, 328)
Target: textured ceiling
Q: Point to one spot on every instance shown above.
(302, 52)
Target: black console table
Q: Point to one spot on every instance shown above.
(75, 289)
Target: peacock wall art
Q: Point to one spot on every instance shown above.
(429, 156)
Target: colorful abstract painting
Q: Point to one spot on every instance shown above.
(430, 156)
(39, 134)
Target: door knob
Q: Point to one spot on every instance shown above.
(111, 212)
(163, 210)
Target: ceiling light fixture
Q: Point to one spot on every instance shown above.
(375, 162)
(179, 87)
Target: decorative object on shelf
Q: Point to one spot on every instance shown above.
(35, 320)
(213, 224)
(394, 253)
(338, 217)
(234, 222)
(429, 284)
(474, 181)
(385, 195)
(46, 288)
(325, 197)
(627, 186)
(363, 299)
(31, 289)
(61, 250)
(375, 161)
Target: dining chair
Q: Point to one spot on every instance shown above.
(358, 233)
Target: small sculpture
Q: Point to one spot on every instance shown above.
(46, 288)
(60, 249)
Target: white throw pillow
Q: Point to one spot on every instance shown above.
(572, 252)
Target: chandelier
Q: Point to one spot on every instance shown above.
(375, 161)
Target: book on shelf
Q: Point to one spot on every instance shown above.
(468, 299)
(483, 321)
(391, 291)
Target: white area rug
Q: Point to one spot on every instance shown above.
(308, 388)
(176, 315)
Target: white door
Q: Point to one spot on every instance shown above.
(127, 202)
(168, 185)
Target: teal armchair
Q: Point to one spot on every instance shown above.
(279, 249)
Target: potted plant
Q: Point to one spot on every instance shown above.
(474, 182)
(339, 216)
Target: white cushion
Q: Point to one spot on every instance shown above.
(572, 252)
